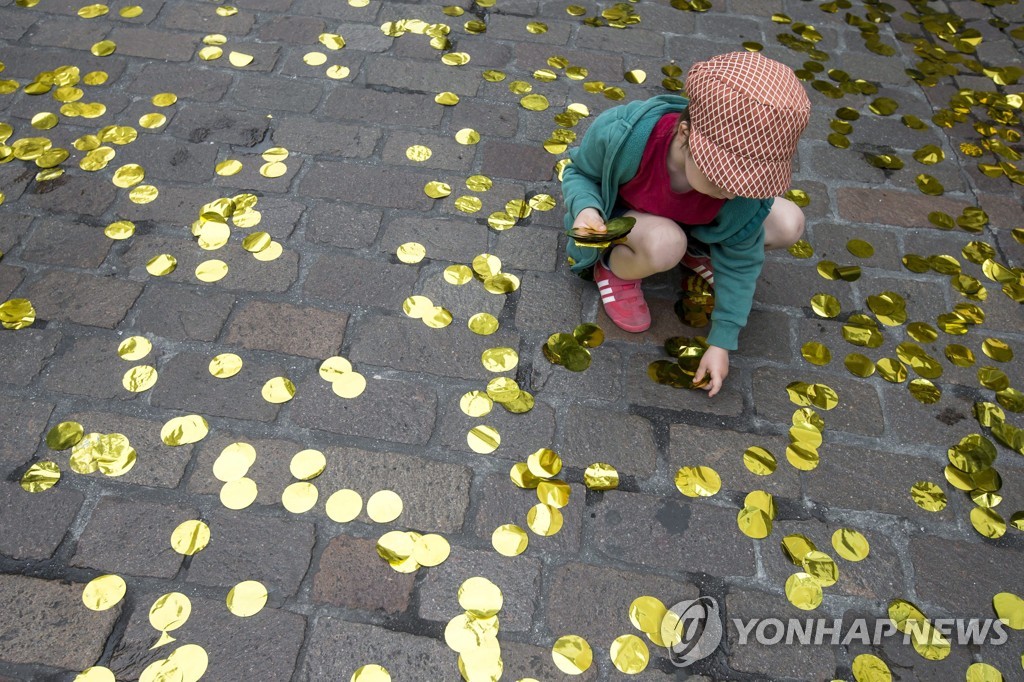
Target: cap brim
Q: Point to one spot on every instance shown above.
(744, 177)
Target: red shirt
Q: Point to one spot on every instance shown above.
(650, 190)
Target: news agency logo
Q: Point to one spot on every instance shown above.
(701, 630)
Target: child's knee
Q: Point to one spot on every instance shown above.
(788, 224)
(668, 247)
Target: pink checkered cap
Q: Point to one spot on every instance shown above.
(746, 114)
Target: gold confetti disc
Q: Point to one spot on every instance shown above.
(468, 204)
(273, 169)
(629, 654)
(247, 598)
(384, 506)
(299, 498)
(521, 404)
(455, 58)
(825, 305)
(164, 99)
(103, 48)
(437, 317)
(480, 598)
(129, 175)
(139, 378)
(646, 613)
(44, 120)
(479, 183)
(106, 591)
(543, 519)
(278, 390)
(796, 547)
(476, 404)
(698, 481)
(467, 136)
(870, 668)
(64, 435)
(816, 353)
(988, 522)
(483, 324)
(500, 359)
(601, 476)
(161, 265)
(411, 252)
(190, 537)
(96, 673)
(436, 189)
(170, 611)
(349, 385)
(370, 673)
(338, 72)
(1010, 608)
(120, 229)
(572, 654)
(555, 493)
(544, 463)
(228, 167)
(314, 58)
(502, 283)
(344, 505)
(431, 550)
(225, 365)
(239, 59)
(234, 461)
(483, 439)
(212, 270)
(850, 544)
(239, 494)
(803, 591)
(17, 313)
(821, 567)
(759, 461)
(307, 464)
(997, 349)
(191, 660)
(418, 152)
(983, 672)
(754, 522)
(448, 99)
(523, 477)
(509, 540)
(184, 430)
(500, 221)
(534, 102)
(153, 120)
(210, 52)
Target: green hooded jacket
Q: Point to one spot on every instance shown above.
(609, 155)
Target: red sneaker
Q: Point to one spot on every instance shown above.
(700, 263)
(623, 300)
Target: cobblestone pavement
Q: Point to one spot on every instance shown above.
(887, 79)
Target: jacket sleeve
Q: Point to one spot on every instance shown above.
(737, 265)
(581, 179)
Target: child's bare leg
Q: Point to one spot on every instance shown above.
(654, 245)
(784, 225)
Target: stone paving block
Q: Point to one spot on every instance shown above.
(324, 138)
(519, 580)
(264, 646)
(601, 381)
(601, 64)
(32, 348)
(62, 242)
(549, 303)
(462, 301)
(42, 616)
(504, 27)
(351, 574)
(291, 29)
(90, 366)
(16, 227)
(158, 465)
(83, 299)
(239, 550)
(670, 533)
(23, 423)
(166, 158)
(382, 186)
(878, 578)
(1001, 313)
(784, 283)
(156, 77)
(446, 152)
(722, 450)
(14, 23)
(525, 661)
(942, 424)
(889, 207)
(638, 41)
(421, 76)
(71, 194)
(858, 411)
(245, 273)
(766, 336)
(201, 122)
(829, 240)
(266, 93)
(593, 601)
(71, 34)
(343, 225)
(10, 278)
(26, 62)
(782, 660)
(35, 523)
(501, 502)
(1003, 210)
(382, 108)
(250, 176)
(516, 161)
(270, 471)
(177, 205)
(347, 280)
(336, 648)
(132, 537)
(597, 435)
(642, 390)
(520, 434)
(204, 19)
(494, 199)
(153, 44)
(395, 411)
(180, 312)
(290, 329)
(488, 119)
(527, 248)
(962, 577)
(452, 240)
(185, 383)
(737, 26)
(406, 344)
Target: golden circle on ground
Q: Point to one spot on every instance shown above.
(278, 390)
(629, 654)
(572, 654)
(190, 537)
(170, 611)
(480, 597)
(234, 461)
(476, 404)
(238, 493)
(698, 481)
(601, 476)
(104, 592)
(803, 591)
(344, 505)
(544, 520)
(509, 540)
(247, 598)
(299, 497)
(384, 506)
(307, 464)
(411, 252)
(483, 439)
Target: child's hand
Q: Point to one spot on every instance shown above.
(715, 364)
(589, 219)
